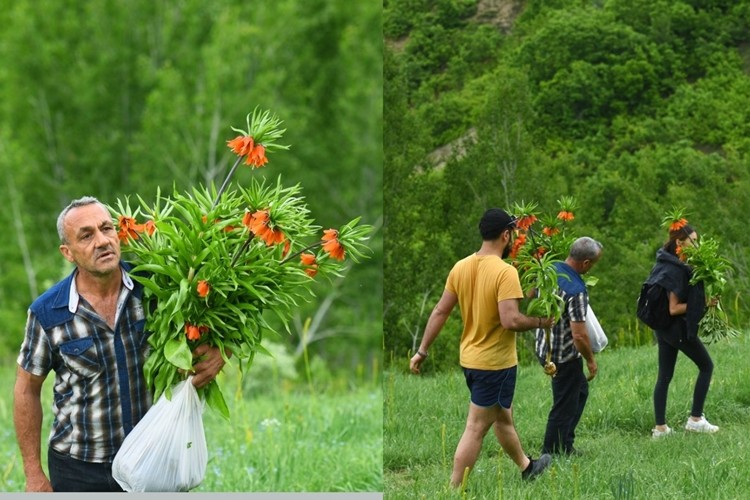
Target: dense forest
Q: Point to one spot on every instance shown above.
(119, 98)
(631, 107)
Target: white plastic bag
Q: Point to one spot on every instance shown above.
(596, 334)
(166, 450)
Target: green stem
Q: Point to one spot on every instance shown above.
(241, 250)
(226, 182)
(297, 254)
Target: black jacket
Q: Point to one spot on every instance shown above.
(674, 276)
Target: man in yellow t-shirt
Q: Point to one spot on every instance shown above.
(488, 291)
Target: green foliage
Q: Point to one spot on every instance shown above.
(131, 97)
(630, 107)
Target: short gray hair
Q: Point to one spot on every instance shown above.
(80, 202)
(585, 248)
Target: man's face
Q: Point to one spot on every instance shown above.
(91, 240)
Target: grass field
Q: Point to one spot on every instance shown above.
(424, 417)
(285, 440)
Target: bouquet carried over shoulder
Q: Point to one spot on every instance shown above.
(711, 268)
(214, 263)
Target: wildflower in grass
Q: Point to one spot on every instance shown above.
(203, 288)
(332, 245)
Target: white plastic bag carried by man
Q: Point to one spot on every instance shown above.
(166, 450)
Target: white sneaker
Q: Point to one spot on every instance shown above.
(701, 425)
(656, 433)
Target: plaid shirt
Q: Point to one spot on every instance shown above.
(572, 289)
(100, 392)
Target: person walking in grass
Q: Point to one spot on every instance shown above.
(569, 345)
(488, 291)
(687, 304)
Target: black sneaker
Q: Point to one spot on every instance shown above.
(536, 467)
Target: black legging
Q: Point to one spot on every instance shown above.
(696, 351)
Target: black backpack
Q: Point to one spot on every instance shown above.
(653, 306)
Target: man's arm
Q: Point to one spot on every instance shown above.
(513, 319)
(435, 323)
(27, 417)
(583, 345)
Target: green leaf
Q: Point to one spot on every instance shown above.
(178, 353)
(215, 399)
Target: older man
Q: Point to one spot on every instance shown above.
(88, 329)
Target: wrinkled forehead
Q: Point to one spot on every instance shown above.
(86, 216)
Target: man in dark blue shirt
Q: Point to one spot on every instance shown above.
(569, 345)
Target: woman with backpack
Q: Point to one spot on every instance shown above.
(687, 304)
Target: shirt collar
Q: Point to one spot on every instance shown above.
(74, 298)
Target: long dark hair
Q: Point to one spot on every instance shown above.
(678, 234)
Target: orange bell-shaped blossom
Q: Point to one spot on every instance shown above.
(257, 157)
(677, 225)
(565, 215)
(128, 228)
(203, 288)
(309, 260)
(526, 222)
(332, 245)
(519, 242)
(241, 145)
(550, 231)
(192, 332)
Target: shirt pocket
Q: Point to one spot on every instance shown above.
(81, 356)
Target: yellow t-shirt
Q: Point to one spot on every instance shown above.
(480, 282)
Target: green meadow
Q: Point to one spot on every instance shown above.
(282, 437)
(424, 417)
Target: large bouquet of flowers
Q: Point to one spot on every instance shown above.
(535, 253)
(214, 264)
(710, 268)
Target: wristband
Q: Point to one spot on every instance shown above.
(422, 354)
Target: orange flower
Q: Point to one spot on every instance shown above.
(517, 244)
(203, 288)
(257, 157)
(192, 331)
(287, 247)
(526, 222)
(540, 252)
(128, 228)
(241, 145)
(565, 215)
(677, 225)
(550, 231)
(309, 259)
(150, 227)
(332, 245)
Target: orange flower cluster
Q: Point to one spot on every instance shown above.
(309, 260)
(517, 244)
(332, 244)
(203, 288)
(550, 231)
(128, 228)
(258, 223)
(194, 332)
(565, 215)
(526, 222)
(678, 224)
(244, 145)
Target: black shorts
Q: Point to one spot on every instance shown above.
(491, 387)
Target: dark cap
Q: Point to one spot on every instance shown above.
(495, 221)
